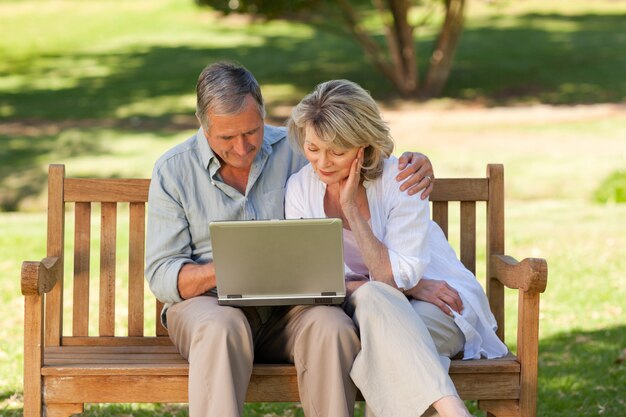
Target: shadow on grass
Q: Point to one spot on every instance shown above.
(581, 373)
(496, 65)
(180, 410)
(535, 58)
(24, 160)
(546, 58)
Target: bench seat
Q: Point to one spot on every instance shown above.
(124, 366)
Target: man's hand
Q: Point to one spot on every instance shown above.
(438, 293)
(417, 170)
(195, 279)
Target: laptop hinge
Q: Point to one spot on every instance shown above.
(329, 294)
(234, 296)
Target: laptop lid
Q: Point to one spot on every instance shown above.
(278, 262)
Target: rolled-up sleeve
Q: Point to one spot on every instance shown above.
(168, 245)
(406, 237)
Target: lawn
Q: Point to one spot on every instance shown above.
(105, 87)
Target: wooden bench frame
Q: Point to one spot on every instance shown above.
(62, 373)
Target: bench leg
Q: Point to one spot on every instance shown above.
(63, 410)
(33, 354)
(500, 408)
(32, 407)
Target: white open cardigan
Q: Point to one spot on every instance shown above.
(417, 248)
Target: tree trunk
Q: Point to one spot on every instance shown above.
(443, 54)
(399, 65)
(399, 36)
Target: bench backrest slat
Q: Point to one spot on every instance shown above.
(55, 244)
(82, 258)
(460, 189)
(135, 268)
(468, 235)
(108, 239)
(160, 330)
(440, 215)
(495, 241)
(111, 197)
(106, 190)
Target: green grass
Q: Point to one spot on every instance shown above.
(112, 59)
(105, 87)
(548, 52)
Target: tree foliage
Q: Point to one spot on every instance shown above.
(396, 57)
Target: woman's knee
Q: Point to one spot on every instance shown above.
(372, 291)
(448, 337)
(379, 295)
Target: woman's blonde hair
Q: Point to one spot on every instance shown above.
(345, 116)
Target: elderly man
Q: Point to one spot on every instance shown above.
(235, 168)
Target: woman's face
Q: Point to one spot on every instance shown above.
(330, 163)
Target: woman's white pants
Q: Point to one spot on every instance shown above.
(405, 349)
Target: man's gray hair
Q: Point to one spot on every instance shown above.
(343, 115)
(222, 89)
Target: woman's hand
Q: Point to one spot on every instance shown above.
(352, 286)
(438, 293)
(354, 282)
(350, 186)
(417, 170)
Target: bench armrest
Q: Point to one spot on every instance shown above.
(530, 275)
(40, 277)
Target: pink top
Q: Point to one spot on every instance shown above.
(352, 255)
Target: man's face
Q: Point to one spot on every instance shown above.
(236, 138)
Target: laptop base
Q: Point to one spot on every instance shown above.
(262, 301)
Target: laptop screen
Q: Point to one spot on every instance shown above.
(279, 262)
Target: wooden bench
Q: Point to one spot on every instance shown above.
(66, 368)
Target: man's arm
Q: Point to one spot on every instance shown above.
(417, 173)
(168, 245)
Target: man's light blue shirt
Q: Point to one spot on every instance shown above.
(187, 192)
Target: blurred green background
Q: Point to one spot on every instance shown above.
(105, 87)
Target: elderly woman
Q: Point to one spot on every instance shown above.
(414, 302)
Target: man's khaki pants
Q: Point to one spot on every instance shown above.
(406, 345)
(221, 343)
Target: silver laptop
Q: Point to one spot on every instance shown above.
(278, 262)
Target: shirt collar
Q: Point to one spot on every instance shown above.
(212, 163)
(206, 153)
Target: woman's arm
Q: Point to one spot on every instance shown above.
(401, 257)
(374, 252)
